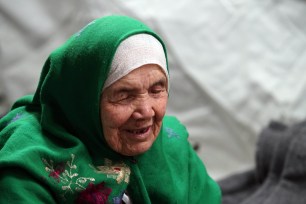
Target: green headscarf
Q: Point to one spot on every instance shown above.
(52, 148)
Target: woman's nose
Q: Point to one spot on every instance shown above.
(143, 110)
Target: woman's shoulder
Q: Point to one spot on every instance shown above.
(18, 128)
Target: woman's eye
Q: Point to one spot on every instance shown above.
(123, 97)
(157, 90)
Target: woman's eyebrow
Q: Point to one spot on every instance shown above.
(160, 82)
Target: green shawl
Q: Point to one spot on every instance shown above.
(52, 149)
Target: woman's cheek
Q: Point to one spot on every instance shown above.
(121, 115)
(161, 107)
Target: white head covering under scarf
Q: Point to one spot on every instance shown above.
(134, 52)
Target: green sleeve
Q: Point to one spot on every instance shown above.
(202, 188)
(17, 188)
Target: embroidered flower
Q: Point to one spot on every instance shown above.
(16, 117)
(71, 182)
(119, 171)
(56, 172)
(94, 194)
(171, 133)
(66, 174)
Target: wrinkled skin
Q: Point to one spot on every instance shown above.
(132, 110)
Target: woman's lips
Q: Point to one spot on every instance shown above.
(139, 133)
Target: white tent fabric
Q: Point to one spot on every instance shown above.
(235, 65)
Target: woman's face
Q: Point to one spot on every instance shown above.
(132, 110)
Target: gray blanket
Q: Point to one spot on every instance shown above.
(280, 173)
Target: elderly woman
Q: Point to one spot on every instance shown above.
(95, 130)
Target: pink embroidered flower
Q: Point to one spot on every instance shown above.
(94, 194)
(60, 168)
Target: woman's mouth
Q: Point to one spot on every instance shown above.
(139, 131)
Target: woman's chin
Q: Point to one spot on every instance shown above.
(137, 149)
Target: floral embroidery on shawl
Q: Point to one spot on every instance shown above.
(15, 118)
(171, 133)
(65, 174)
(120, 171)
(94, 194)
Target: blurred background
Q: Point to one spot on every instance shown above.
(235, 65)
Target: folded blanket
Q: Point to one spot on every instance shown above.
(280, 173)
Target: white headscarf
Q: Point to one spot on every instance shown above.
(134, 52)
